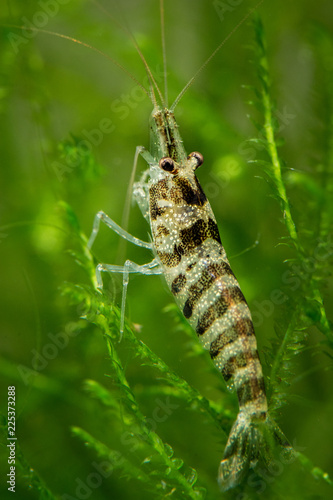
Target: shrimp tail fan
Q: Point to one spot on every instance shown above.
(252, 442)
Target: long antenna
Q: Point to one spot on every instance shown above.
(189, 83)
(84, 44)
(164, 53)
(128, 32)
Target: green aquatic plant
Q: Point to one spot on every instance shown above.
(309, 240)
(147, 458)
(156, 424)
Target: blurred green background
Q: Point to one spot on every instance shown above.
(55, 93)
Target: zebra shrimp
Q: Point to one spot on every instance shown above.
(189, 254)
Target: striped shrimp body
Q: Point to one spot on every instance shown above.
(188, 252)
(188, 249)
(196, 268)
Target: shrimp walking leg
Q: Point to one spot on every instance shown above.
(103, 217)
(152, 267)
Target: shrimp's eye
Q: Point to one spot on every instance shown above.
(168, 164)
(197, 157)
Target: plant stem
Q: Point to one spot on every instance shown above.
(276, 170)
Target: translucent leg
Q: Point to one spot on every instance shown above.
(152, 267)
(101, 216)
(140, 194)
(140, 188)
(146, 155)
(143, 200)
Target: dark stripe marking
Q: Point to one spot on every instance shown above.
(240, 360)
(157, 192)
(187, 309)
(250, 390)
(226, 269)
(244, 327)
(213, 230)
(213, 312)
(229, 296)
(189, 195)
(176, 196)
(155, 210)
(200, 190)
(178, 284)
(233, 295)
(195, 235)
(162, 231)
(232, 365)
(225, 338)
(228, 337)
(170, 259)
(209, 275)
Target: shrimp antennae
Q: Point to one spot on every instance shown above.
(164, 52)
(150, 75)
(207, 61)
(84, 44)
